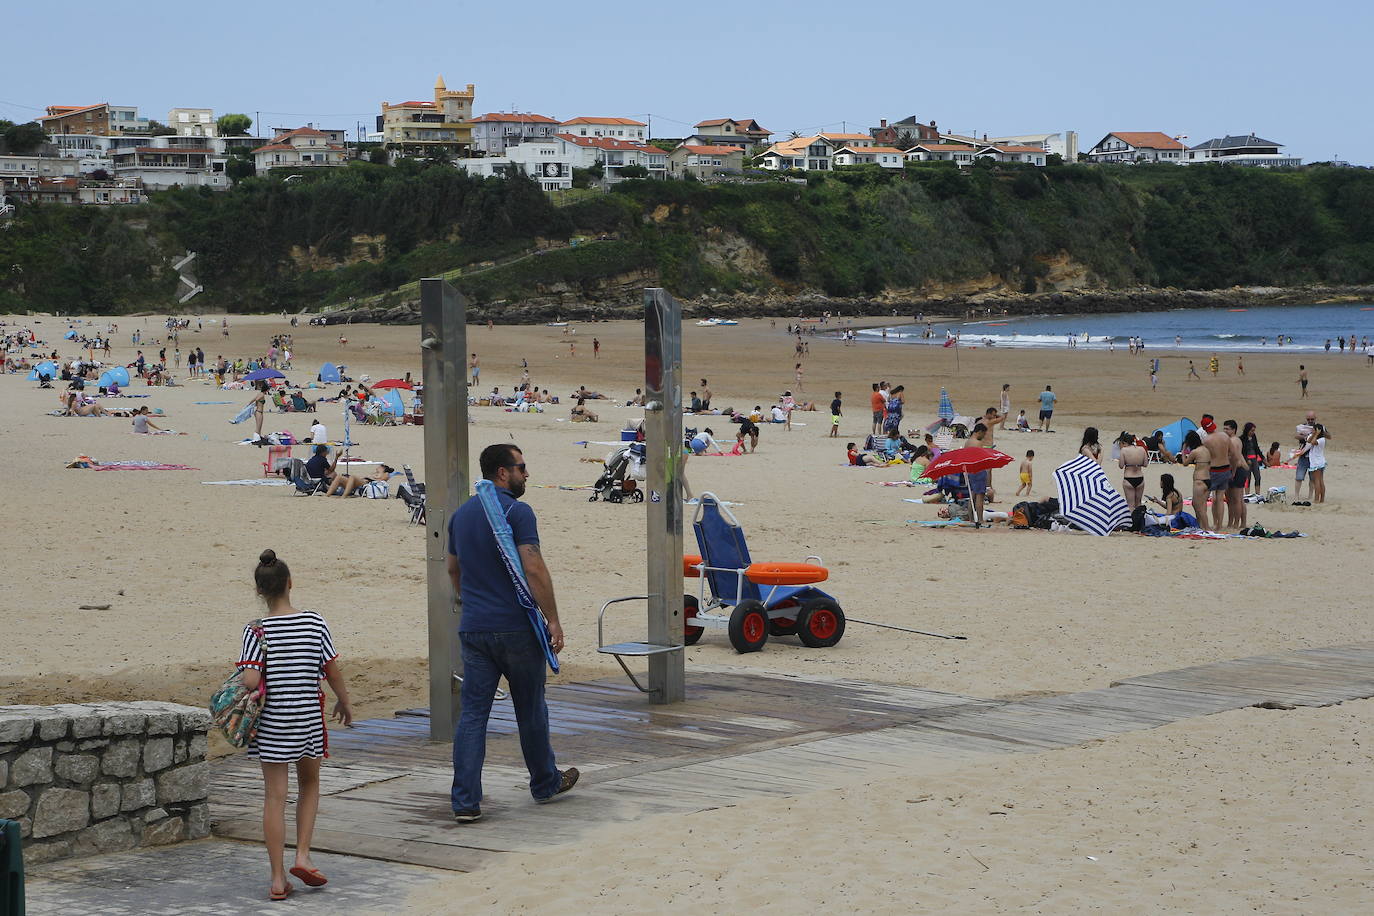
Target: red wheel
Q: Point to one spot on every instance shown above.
(748, 626)
(690, 632)
(783, 626)
(820, 623)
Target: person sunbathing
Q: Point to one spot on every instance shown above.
(81, 408)
(862, 459)
(347, 484)
(580, 413)
(583, 393)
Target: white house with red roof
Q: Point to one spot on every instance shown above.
(304, 147)
(813, 154)
(614, 154)
(889, 157)
(1138, 146)
(705, 162)
(493, 133)
(960, 154)
(618, 128)
(1007, 152)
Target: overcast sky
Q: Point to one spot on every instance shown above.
(1296, 73)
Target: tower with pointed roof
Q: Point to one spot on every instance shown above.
(425, 130)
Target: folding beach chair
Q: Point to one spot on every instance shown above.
(305, 485)
(413, 494)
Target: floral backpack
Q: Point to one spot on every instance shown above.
(234, 709)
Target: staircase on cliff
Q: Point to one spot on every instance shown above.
(185, 274)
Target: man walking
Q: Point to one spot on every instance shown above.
(1047, 399)
(497, 638)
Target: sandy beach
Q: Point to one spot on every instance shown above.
(1274, 801)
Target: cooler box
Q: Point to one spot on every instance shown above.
(627, 435)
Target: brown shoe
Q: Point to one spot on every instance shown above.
(570, 777)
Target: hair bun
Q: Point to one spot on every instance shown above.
(268, 557)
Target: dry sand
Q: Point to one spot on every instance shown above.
(1044, 613)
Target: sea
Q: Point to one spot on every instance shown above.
(1304, 328)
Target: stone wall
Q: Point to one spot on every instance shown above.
(103, 777)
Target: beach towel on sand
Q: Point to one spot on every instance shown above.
(510, 557)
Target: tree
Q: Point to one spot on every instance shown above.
(158, 129)
(20, 139)
(233, 125)
(634, 171)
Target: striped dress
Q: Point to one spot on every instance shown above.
(298, 647)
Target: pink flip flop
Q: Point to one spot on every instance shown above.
(311, 877)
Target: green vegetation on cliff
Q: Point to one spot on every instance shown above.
(370, 229)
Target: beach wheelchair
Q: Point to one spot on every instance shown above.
(752, 601)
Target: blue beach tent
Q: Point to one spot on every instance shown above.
(392, 403)
(116, 376)
(1174, 433)
(47, 367)
(70, 335)
(329, 373)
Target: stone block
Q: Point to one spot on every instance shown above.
(115, 835)
(52, 728)
(25, 826)
(163, 718)
(88, 724)
(154, 815)
(141, 794)
(14, 726)
(165, 831)
(37, 853)
(179, 753)
(4, 773)
(14, 804)
(65, 747)
(92, 744)
(105, 800)
(32, 767)
(122, 722)
(77, 768)
(186, 783)
(194, 720)
(198, 822)
(61, 811)
(121, 758)
(197, 748)
(157, 754)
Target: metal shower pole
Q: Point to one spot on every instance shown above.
(663, 442)
(443, 341)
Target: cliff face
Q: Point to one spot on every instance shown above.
(869, 238)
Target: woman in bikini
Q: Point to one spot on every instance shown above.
(1253, 454)
(1132, 461)
(1171, 501)
(1201, 460)
(259, 405)
(1090, 447)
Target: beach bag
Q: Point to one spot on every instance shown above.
(234, 709)
(376, 489)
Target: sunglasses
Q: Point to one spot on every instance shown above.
(517, 467)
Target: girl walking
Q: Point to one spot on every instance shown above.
(291, 649)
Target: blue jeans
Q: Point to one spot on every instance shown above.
(486, 657)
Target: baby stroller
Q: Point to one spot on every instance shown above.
(618, 482)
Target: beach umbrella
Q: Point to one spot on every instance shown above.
(967, 461)
(1087, 498)
(946, 411)
(259, 374)
(393, 383)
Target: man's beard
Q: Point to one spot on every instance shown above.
(516, 487)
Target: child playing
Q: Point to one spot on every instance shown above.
(1022, 423)
(1025, 469)
(835, 417)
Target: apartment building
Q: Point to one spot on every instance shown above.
(615, 128)
(423, 130)
(495, 132)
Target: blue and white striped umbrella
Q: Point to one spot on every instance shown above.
(1087, 498)
(946, 411)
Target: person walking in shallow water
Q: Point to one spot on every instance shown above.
(291, 649)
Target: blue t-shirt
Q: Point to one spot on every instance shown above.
(317, 466)
(489, 601)
(1047, 400)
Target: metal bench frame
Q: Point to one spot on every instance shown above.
(621, 650)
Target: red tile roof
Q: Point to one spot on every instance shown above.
(714, 122)
(412, 105)
(846, 136)
(610, 143)
(514, 118)
(61, 111)
(301, 132)
(1147, 139)
(626, 122)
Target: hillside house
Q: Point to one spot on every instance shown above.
(1137, 146)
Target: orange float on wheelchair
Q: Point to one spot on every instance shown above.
(767, 573)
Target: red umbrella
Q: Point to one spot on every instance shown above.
(402, 383)
(967, 461)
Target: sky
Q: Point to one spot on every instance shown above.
(1295, 73)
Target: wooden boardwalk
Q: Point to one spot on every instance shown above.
(738, 736)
